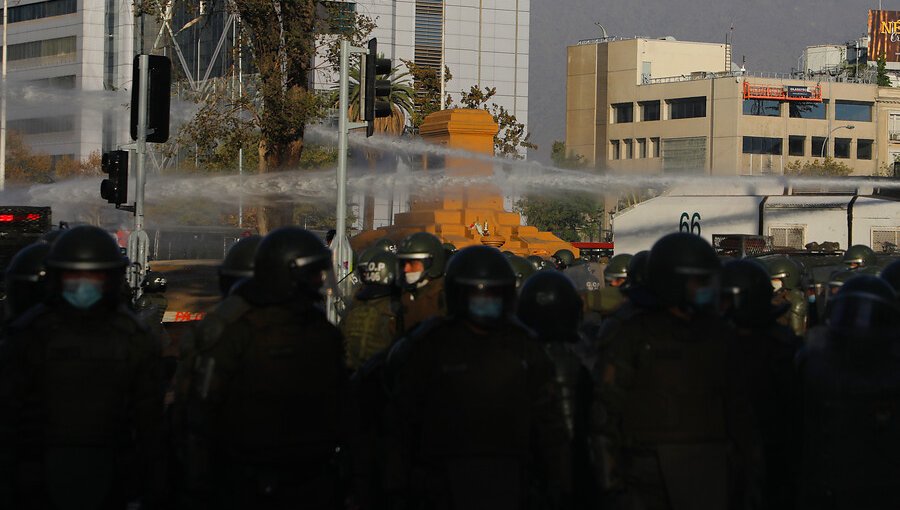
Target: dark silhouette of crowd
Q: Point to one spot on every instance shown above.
(455, 379)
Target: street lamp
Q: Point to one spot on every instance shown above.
(848, 126)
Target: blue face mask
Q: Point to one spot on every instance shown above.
(82, 293)
(485, 308)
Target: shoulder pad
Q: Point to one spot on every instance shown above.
(211, 328)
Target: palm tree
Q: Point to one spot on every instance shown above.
(401, 100)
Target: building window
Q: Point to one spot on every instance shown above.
(654, 147)
(46, 52)
(864, 149)
(894, 127)
(684, 155)
(853, 110)
(43, 125)
(627, 152)
(57, 82)
(428, 35)
(762, 107)
(649, 111)
(687, 108)
(814, 111)
(762, 145)
(796, 145)
(842, 148)
(41, 10)
(623, 113)
(818, 146)
(614, 149)
(642, 148)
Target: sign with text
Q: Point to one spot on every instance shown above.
(884, 35)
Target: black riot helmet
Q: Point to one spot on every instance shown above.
(864, 311)
(238, 263)
(784, 270)
(550, 305)
(681, 271)
(424, 247)
(860, 255)
(154, 283)
(637, 269)
(563, 258)
(891, 274)
(480, 286)
(747, 293)
(292, 262)
(538, 263)
(26, 279)
(617, 269)
(86, 268)
(378, 272)
(521, 267)
(385, 244)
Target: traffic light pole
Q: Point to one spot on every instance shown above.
(340, 246)
(138, 241)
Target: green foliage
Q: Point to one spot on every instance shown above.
(427, 88)
(815, 168)
(512, 135)
(883, 79)
(402, 100)
(572, 217)
(562, 160)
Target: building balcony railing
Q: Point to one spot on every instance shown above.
(52, 60)
(704, 75)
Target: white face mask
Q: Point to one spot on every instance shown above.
(413, 277)
(776, 284)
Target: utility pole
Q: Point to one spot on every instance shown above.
(138, 241)
(3, 101)
(340, 246)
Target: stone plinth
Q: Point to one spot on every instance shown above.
(456, 216)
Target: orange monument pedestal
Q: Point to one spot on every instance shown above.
(466, 216)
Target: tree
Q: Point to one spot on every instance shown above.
(883, 79)
(815, 168)
(572, 216)
(401, 99)
(23, 165)
(427, 88)
(563, 160)
(512, 135)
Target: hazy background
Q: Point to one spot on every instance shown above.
(771, 34)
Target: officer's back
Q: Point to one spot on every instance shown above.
(81, 389)
(472, 394)
(265, 382)
(675, 417)
(851, 390)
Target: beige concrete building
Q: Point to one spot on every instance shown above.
(666, 106)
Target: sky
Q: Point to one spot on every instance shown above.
(770, 34)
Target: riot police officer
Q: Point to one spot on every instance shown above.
(81, 389)
(661, 368)
(859, 256)
(850, 373)
(375, 316)
(563, 259)
(787, 281)
(538, 263)
(891, 274)
(26, 280)
(261, 389)
(767, 351)
(422, 260)
(522, 268)
(238, 263)
(474, 399)
(550, 305)
(616, 272)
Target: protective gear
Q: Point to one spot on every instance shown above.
(475, 274)
(426, 248)
(776, 284)
(449, 247)
(538, 263)
(292, 262)
(864, 309)
(681, 270)
(860, 255)
(637, 269)
(81, 292)
(385, 244)
(85, 248)
(891, 274)
(522, 268)
(154, 283)
(26, 279)
(617, 269)
(378, 272)
(550, 305)
(238, 263)
(747, 294)
(784, 269)
(563, 259)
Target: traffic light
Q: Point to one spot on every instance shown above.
(374, 94)
(159, 98)
(115, 189)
